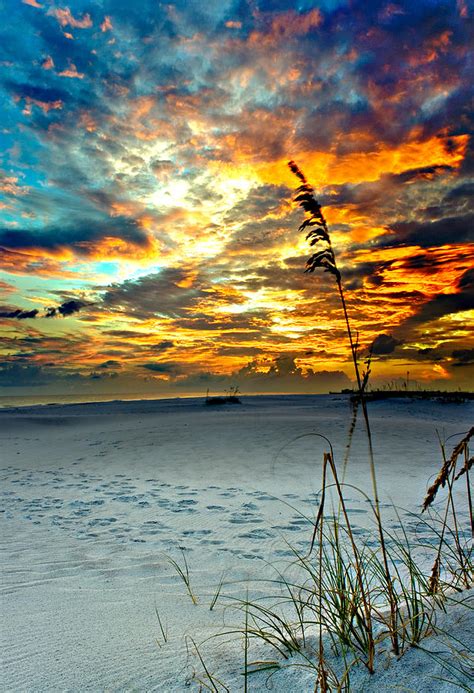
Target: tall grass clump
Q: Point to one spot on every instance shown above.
(329, 611)
(317, 234)
(460, 556)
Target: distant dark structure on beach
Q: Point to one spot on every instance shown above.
(456, 397)
(229, 398)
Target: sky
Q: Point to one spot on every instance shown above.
(148, 230)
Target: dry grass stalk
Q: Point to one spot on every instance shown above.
(322, 680)
(465, 469)
(446, 470)
(434, 577)
(446, 477)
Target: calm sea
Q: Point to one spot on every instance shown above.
(33, 400)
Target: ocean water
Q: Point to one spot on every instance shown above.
(7, 401)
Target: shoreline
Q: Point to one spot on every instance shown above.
(4, 407)
(435, 396)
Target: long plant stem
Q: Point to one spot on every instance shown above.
(468, 484)
(322, 678)
(393, 603)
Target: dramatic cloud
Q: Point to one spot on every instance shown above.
(26, 375)
(145, 193)
(464, 357)
(65, 309)
(384, 344)
(19, 314)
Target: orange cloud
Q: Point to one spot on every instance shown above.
(324, 168)
(71, 72)
(463, 9)
(45, 106)
(294, 24)
(106, 24)
(36, 262)
(116, 248)
(440, 371)
(87, 122)
(47, 63)
(9, 185)
(286, 25)
(65, 18)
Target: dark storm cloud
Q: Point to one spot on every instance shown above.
(259, 202)
(283, 373)
(251, 322)
(111, 363)
(125, 334)
(163, 368)
(100, 375)
(452, 230)
(463, 193)
(370, 195)
(384, 344)
(65, 309)
(19, 314)
(464, 357)
(355, 275)
(169, 293)
(23, 374)
(163, 345)
(39, 93)
(81, 237)
(18, 375)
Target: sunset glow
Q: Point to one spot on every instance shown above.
(148, 233)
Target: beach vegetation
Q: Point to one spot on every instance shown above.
(352, 597)
(183, 571)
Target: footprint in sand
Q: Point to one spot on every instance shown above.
(264, 497)
(184, 506)
(243, 518)
(256, 534)
(102, 521)
(287, 528)
(250, 506)
(211, 542)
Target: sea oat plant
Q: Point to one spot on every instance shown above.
(446, 477)
(317, 233)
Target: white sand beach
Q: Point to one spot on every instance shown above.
(95, 497)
